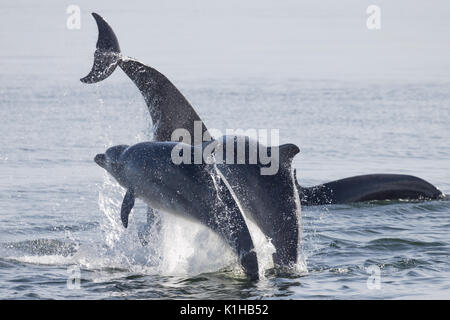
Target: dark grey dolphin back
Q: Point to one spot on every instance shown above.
(271, 201)
(370, 187)
(168, 108)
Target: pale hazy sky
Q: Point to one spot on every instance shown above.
(233, 38)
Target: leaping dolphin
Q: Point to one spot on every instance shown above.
(170, 110)
(273, 202)
(147, 172)
(270, 201)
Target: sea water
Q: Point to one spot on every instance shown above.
(354, 101)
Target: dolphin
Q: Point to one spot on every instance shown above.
(370, 187)
(271, 201)
(147, 172)
(170, 110)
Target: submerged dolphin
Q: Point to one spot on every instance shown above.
(369, 187)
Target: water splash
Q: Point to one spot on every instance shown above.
(175, 246)
(109, 204)
(189, 248)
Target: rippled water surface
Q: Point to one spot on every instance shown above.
(59, 211)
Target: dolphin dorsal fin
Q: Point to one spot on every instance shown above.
(127, 205)
(288, 152)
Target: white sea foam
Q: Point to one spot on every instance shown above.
(54, 260)
(180, 247)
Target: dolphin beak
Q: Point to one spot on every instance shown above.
(100, 160)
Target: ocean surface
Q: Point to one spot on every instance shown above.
(60, 231)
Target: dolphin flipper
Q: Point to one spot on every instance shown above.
(168, 108)
(127, 205)
(369, 188)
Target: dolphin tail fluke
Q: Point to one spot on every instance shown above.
(107, 55)
(168, 107)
